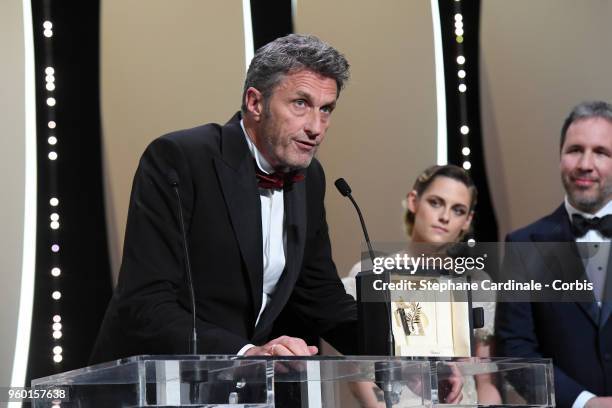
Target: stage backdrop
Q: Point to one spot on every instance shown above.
(538, 59)
(164, 66)
(384, 130)
(171, 65)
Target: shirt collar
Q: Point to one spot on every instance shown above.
(262, 163)
(603, 211)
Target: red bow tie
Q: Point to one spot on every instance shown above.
(277, 180)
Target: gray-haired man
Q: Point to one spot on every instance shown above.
(252, 195)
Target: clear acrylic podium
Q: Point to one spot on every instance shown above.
(230, 381)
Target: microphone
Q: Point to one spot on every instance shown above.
(343, 187)
(384, 370)
(345, 190)
(173, 179)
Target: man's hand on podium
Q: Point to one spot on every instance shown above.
(454, 384)
(283, 346)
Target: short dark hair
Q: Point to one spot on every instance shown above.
(429, 175)
(586, 110)
(294, 52)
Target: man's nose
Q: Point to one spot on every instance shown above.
(314, 124)
(586, 161)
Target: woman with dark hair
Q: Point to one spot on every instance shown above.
(444, 197)
(438, 213)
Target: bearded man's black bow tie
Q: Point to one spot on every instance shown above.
(277, 180)
(582, 225)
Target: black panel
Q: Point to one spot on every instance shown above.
(271, 19)
(466, 107)
(76, 179)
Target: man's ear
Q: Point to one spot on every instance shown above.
(254, 103)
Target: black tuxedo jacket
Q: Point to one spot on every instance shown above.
(150, 310)
(576, 335)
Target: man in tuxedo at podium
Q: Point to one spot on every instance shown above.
(576, 335)
(252, 202)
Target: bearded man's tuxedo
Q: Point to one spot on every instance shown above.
(150, 310)
(576, 335)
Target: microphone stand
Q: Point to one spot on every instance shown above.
(385, 372)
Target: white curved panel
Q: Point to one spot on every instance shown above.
(18, 184)
(442, 142)
(249, 50)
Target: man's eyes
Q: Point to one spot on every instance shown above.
(577, 150)
(302, 103)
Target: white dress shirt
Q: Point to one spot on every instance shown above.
(273, 233)
(595, 265)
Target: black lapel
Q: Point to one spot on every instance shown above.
(295, 222)
(564, 258)
(236, 172)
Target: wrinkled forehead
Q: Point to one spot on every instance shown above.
(306, 80)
